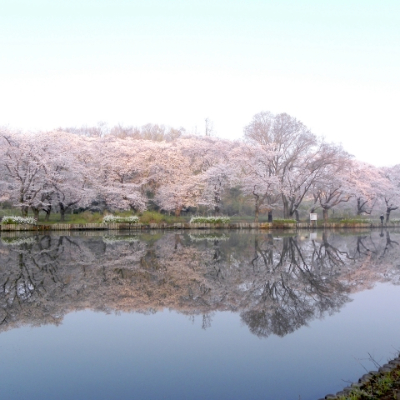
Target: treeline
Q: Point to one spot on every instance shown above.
(279, 164)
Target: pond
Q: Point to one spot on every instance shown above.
(196, 314)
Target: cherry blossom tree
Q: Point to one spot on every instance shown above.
(189, 171)
(253, 167)
(296, 152)
(213, 157)
(119, 177)
(370, 185)
(24, 166)
(302, 177)
(392, 190)
(178, 186)
(281, 164)
(215, 180)
(71, 166)
(335, 186)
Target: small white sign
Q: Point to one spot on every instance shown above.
(313, 216)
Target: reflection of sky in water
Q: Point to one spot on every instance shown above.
(167, 356)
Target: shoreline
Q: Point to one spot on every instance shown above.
(184, 225)
(381, 384)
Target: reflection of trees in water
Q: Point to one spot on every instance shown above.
(30, 275)
(295, 282)
(278, 284)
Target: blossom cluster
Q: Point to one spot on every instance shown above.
(15, 220)
(210, 220)
(112, 219)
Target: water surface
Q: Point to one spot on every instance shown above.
(200, 315)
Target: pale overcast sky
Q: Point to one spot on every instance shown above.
(334, 65)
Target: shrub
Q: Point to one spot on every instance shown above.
(356, 221)
(113, 219)
(152, 217)
(14, 220)
(86, 217)
(284, 221)
(210, 220)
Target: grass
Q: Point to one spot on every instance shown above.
(385, 385)
(55, 218)
(148, 217)
(130, 219)
(17, 220)
(352, 221)
(279, 221)
(87, 217)
(154, 217)
(210, 220)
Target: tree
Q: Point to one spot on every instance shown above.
(294, 148)
(215, 180)
(178, 177)
(370, 185)
(335, 186)
(214, 163)
(25, 171)
(189, 171)
(121, 172)
(299, 182)
(392, 192)
(253, 167)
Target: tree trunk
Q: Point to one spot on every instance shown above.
(36, 213)
(294, 212)
(325, 214)
(47, 211)
(359, 207)
(256, 211)
(62, 211)
(285, 207)
(178, 211)
(217, 202)
(388, 210)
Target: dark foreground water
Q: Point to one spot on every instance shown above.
(205, 315)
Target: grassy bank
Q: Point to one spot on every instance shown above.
(154, 217)
(383, 385)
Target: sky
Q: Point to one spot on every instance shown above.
(334, 65)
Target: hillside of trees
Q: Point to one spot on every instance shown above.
(279, 166)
